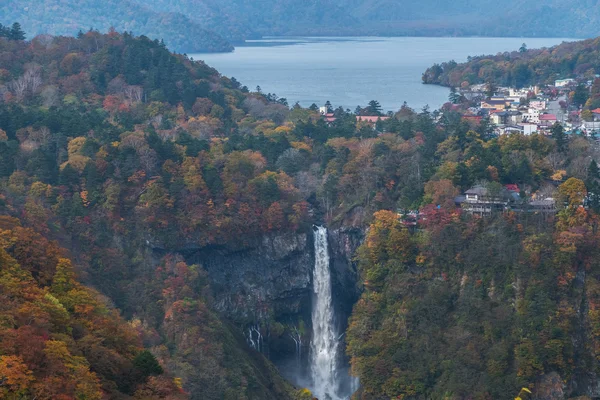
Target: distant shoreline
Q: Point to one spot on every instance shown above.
(290, 40)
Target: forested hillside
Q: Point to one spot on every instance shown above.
(59, 339)
(578, 59)
(479, 308)
(77, 166)
(69, 17)
(138, 162)
(200, 25)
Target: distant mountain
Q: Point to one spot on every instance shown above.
(208, 15)
(208, 25)
(67, 17)
(263, 17)
(551, 18)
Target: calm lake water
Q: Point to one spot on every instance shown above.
(352, 71)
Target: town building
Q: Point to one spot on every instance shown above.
(370, 118)
(497, 104)
(479, 200)
(532, 116)
(547, 120)
(538, 105)
(563, 82)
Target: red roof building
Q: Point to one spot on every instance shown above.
(371, 119)
(329, 117)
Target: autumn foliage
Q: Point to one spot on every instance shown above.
(59, 339)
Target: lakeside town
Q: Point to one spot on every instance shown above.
(533, 109)
(509, 110)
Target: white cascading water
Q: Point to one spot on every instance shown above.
(324, 345)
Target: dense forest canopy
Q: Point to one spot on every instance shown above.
(578, 59)
(130, 156)
(59, 339)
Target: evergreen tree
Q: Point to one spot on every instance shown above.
(490, 88)
(454, 96)
(147, 364)
(4, 31)
(593, 187)
(374, 107)
(558, 134)
(16, 33)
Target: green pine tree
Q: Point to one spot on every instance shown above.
(374, 107)
(16, 33)
(558, 134)
(147, 364)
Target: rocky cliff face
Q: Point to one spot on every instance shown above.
(265, 288)
(267, 280)
(343, 243)
(272, 278)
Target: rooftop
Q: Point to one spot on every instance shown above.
(370, 118)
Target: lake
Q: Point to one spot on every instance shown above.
(352, 71)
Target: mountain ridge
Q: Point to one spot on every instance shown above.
(68, 17)
(209, 25)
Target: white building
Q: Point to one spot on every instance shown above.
(517, 93)
(532, 116)
(539, 105)
(529, 129)
(563, 82)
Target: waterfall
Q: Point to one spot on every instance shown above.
(324, 345)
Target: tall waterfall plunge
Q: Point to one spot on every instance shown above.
(324, 357)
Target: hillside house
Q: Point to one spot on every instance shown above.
(480, 201)
(547, 205)
(559, 83)
(371, 119)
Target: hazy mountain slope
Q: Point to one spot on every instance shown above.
(510, 18)
(394, 17)
(201, 25)
(207, 15)
(247, 17)
(67, 17)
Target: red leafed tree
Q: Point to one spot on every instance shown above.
(274, 217)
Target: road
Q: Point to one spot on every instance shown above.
(554, 108)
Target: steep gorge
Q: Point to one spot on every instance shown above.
(266, 290)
